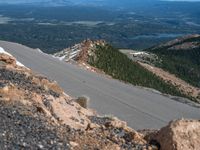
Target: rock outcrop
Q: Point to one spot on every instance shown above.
(21, 85)
(79, 52)
(179, 135)
(37, 114)
(9, 60)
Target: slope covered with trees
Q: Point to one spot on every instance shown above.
(181, 57)
(116, 64)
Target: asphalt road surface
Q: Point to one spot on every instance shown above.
(139, 107)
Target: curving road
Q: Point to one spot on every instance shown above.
(139, 107)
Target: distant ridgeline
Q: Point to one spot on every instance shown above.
(181, 57)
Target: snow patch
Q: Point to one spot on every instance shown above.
(19, 64)
(39, 50)
(4, 52)
(139, 53)
(61, 58)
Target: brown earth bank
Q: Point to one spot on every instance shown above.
(183, 86)
(35, 113)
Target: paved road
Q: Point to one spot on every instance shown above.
(140, 108)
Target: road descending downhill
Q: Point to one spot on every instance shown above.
(138, 107)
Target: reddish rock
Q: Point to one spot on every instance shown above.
(7, 59)
(180, 135)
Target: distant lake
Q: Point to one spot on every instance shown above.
(161, 35)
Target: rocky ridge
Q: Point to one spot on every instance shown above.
(79, 54)
(182, 43)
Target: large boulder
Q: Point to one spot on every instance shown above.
(180, 135)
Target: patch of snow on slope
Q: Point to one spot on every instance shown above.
(139, 53)
(4, 52)
(19, 64)
(61, 58)
(39, 50)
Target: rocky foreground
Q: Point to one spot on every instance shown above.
(35, 113)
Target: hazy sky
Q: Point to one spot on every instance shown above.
(22, 1)
(75, 0)
(185, 0)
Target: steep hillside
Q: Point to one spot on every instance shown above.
(100, 55)
(35, 113)
(183, 86)
(181, 57)
(116, 64)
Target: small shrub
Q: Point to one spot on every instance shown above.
(82, 101)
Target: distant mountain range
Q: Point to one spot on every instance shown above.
(38, 2)
(96, 2)
(133, 5)
(108, 3)
(65, 1)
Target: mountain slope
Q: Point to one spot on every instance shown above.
(116, 64)
(37, 114)
(100, 55)
(183, 86)
(181, 57)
